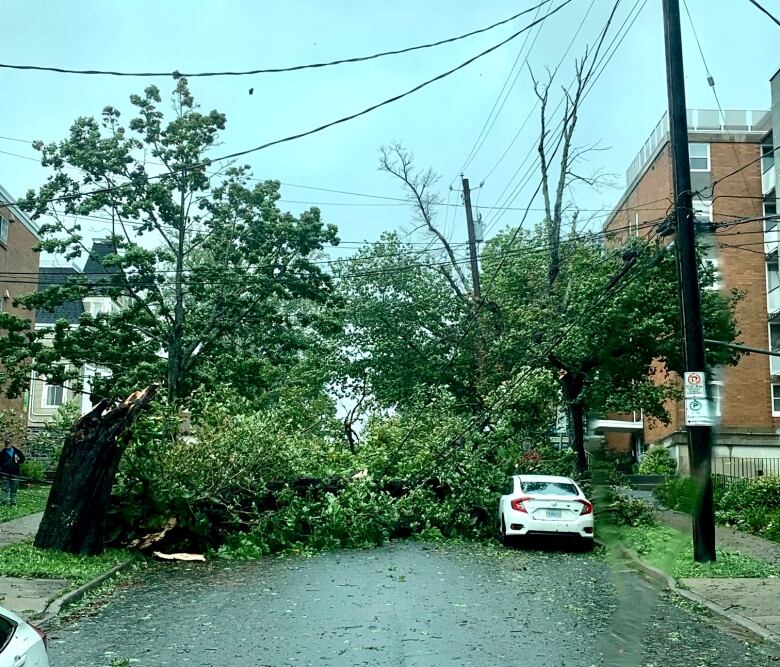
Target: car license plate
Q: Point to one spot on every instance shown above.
(553, 514)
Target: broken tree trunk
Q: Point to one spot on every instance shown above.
(75, 516)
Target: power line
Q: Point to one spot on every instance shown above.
(25, 277)
(483, 133)
(711, 83)
(343, 119)
(273, 70)
(617, 40)
(536, 102)
(766, 11)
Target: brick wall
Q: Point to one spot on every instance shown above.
(746, 395)
(18, 275)
(747, 386)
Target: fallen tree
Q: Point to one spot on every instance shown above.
(75, 516)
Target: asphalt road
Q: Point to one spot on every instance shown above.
(409, 603)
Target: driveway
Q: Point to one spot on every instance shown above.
(409, 603)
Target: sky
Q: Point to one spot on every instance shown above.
(439, 124)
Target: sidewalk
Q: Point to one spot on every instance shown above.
(19, 530)
(26, 596)
(750, 602)
(729, 539)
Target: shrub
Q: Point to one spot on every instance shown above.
(32, 470)
(759, 492)
(678, 493)
(657, 461)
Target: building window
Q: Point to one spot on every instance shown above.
(53, 395)
(774, 346)
(699, 156)
(716, 396)
(776, 400)
(772, 274)
(770, 209)
(767, 157)
(702, 210)
(5, 223)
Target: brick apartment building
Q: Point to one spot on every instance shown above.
(745, 399)
(18, 265)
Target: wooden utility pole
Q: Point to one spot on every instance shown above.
(472, 240)
(699, 432)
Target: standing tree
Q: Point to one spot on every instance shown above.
(201, 263)
(606, 335)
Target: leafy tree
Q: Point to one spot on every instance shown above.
(403, 328)
(204, 264)
(608, 331)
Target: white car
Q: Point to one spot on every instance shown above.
(21, 644)
(545, 504)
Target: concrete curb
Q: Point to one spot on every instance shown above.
(660, 578)
(54, 607)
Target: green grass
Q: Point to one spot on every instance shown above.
(24, 560)
(670, 550)
(29, 500)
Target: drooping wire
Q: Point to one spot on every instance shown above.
(273, 70)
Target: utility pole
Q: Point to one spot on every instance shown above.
(478, 349)
(699, 432)
(472, 240)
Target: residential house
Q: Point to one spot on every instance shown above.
(18, 266)
(45, 398)
(733, 173)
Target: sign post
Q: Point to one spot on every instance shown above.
(697, 407)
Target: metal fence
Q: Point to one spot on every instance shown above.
(727, 471)
(745, 468)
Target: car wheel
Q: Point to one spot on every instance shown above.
(503, 536)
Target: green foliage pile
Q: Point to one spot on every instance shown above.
(245, 484)
(670, 550)
(657, 461)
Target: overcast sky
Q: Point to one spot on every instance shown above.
(440, 123)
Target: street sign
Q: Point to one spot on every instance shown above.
(697, 412)
(695, 385)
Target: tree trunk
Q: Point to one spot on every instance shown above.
(577, 424)
(75, 516)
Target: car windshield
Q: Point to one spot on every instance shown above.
(549, 488)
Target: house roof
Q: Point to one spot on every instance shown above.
(9, 203)
(49, 276)
(93, 267)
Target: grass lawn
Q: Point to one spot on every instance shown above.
(24, 560)
(29, 500)
(670, 550)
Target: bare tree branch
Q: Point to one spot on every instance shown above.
(399, 162)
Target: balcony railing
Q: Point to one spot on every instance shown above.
(705, 121)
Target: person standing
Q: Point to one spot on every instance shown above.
(11, 459)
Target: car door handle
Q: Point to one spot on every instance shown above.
(20, 660)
